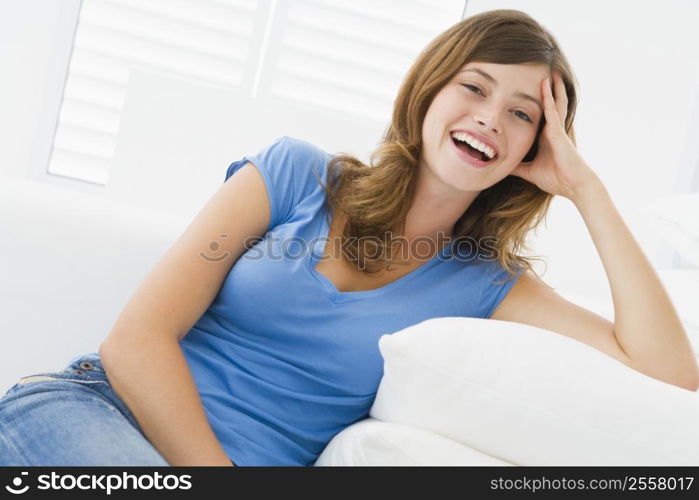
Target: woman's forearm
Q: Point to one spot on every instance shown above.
(151, 375)
(645, 321)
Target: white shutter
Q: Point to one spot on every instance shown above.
(204, 40)
(352, 56)
(344, 56)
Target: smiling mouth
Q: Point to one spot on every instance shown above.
(472, 152)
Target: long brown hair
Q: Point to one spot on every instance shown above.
(375, 199)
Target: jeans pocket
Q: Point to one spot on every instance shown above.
(89, 370)
(84, 369)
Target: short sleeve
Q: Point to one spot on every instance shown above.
(495, 287)
(287, 167)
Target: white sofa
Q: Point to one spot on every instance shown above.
(69, 263)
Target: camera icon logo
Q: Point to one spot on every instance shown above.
(17, 482)
(214, 246)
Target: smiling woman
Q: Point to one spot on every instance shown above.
(264, 355)
(478, 82)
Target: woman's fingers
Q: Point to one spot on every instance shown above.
(561, 97)
(555, 107)
(550, 110)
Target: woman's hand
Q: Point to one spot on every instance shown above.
(557, 167)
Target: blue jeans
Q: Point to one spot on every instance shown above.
(72, 417)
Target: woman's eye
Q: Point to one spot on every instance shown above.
(526, 116)
(473, 88)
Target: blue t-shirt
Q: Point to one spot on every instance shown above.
(282, 360)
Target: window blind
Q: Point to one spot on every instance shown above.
(352, 56)
(204, 40)
(345, 56)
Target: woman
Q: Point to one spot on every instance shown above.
(264, 361)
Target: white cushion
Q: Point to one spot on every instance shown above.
(675, 219)
(69, 262)
(682, 285)
(371, 442)
(529, 396)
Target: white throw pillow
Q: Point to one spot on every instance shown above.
(682, 285)
(530, 396)
(675, 219)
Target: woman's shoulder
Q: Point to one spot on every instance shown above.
(300, 149)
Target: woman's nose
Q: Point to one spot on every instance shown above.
(488, 123)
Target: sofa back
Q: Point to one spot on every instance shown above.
(69, 263)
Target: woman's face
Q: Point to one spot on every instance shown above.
(494, 109)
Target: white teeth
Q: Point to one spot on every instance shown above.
(483, 148)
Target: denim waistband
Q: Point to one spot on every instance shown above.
(88, 368)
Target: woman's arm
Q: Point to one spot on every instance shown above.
(150, 374)
(646, 324)
(647, 333)
(142, 356)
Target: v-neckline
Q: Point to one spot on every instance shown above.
(336, 295)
